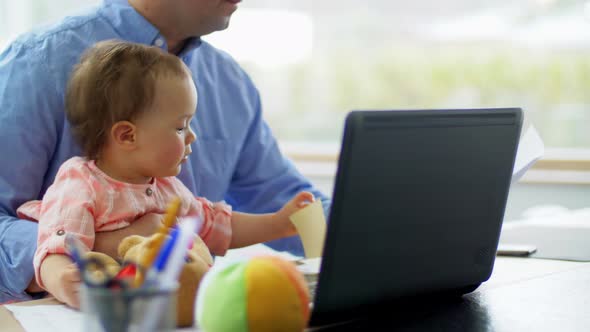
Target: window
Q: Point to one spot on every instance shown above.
(397, 54)
(17, 17)
(317, 60)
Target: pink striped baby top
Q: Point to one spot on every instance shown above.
(84, 200)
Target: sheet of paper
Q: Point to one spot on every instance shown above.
(310, 266)
(251, 251)
(55, 318)
(46, 318)
(579, 218)
(311, 225)
(562, 235)
(530, 149)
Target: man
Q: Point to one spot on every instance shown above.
(235, 157)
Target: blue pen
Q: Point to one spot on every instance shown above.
(162, 258)
(168, 277)
(164, 253)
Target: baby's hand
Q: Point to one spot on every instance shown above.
(298, 202)
(69, 286)
(61, 278)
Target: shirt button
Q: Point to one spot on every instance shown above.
(159, 42)
(149, 191)
(60, 232)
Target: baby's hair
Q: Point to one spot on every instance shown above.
(114, 81)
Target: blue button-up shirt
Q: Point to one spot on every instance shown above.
(235, 157)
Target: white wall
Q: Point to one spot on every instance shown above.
(525, 195)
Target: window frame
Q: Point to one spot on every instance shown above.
(557, 166)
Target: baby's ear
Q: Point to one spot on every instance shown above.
(128, 243)
(123, 134)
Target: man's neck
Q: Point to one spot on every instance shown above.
(174, 40)
(175, 46)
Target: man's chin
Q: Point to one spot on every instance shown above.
(219, 25)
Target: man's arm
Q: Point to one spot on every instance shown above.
(27, 141)
(264, 179)
(18, 241)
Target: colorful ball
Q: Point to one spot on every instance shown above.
(264, 293)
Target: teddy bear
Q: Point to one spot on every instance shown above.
(198, 262)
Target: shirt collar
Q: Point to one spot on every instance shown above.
(133, 27)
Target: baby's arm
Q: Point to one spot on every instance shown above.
(223, 229)
(68, 207)
(248, 229)
(61, 278)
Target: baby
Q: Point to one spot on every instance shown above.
(129, 107)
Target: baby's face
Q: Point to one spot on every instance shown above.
(164, 134)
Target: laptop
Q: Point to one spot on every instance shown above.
(417, 207)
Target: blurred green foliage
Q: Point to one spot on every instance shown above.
(552, 88)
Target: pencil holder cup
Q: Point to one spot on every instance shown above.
(129, 310)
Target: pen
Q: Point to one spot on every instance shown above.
(166, 279)
(125, 277)
(162, 258)
(167, 248)
(186, 233)
(147, 260)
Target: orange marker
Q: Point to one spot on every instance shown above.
(147, 260)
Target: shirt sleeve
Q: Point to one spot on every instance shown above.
(67, 208)
(264, 179)
(216, 230)
(215, 224)
(28, 135)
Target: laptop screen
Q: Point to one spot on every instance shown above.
(418, 203)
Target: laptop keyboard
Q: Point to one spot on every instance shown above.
(310, 270)
(312, 282)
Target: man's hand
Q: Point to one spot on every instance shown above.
(108, 242)
(61, 278)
